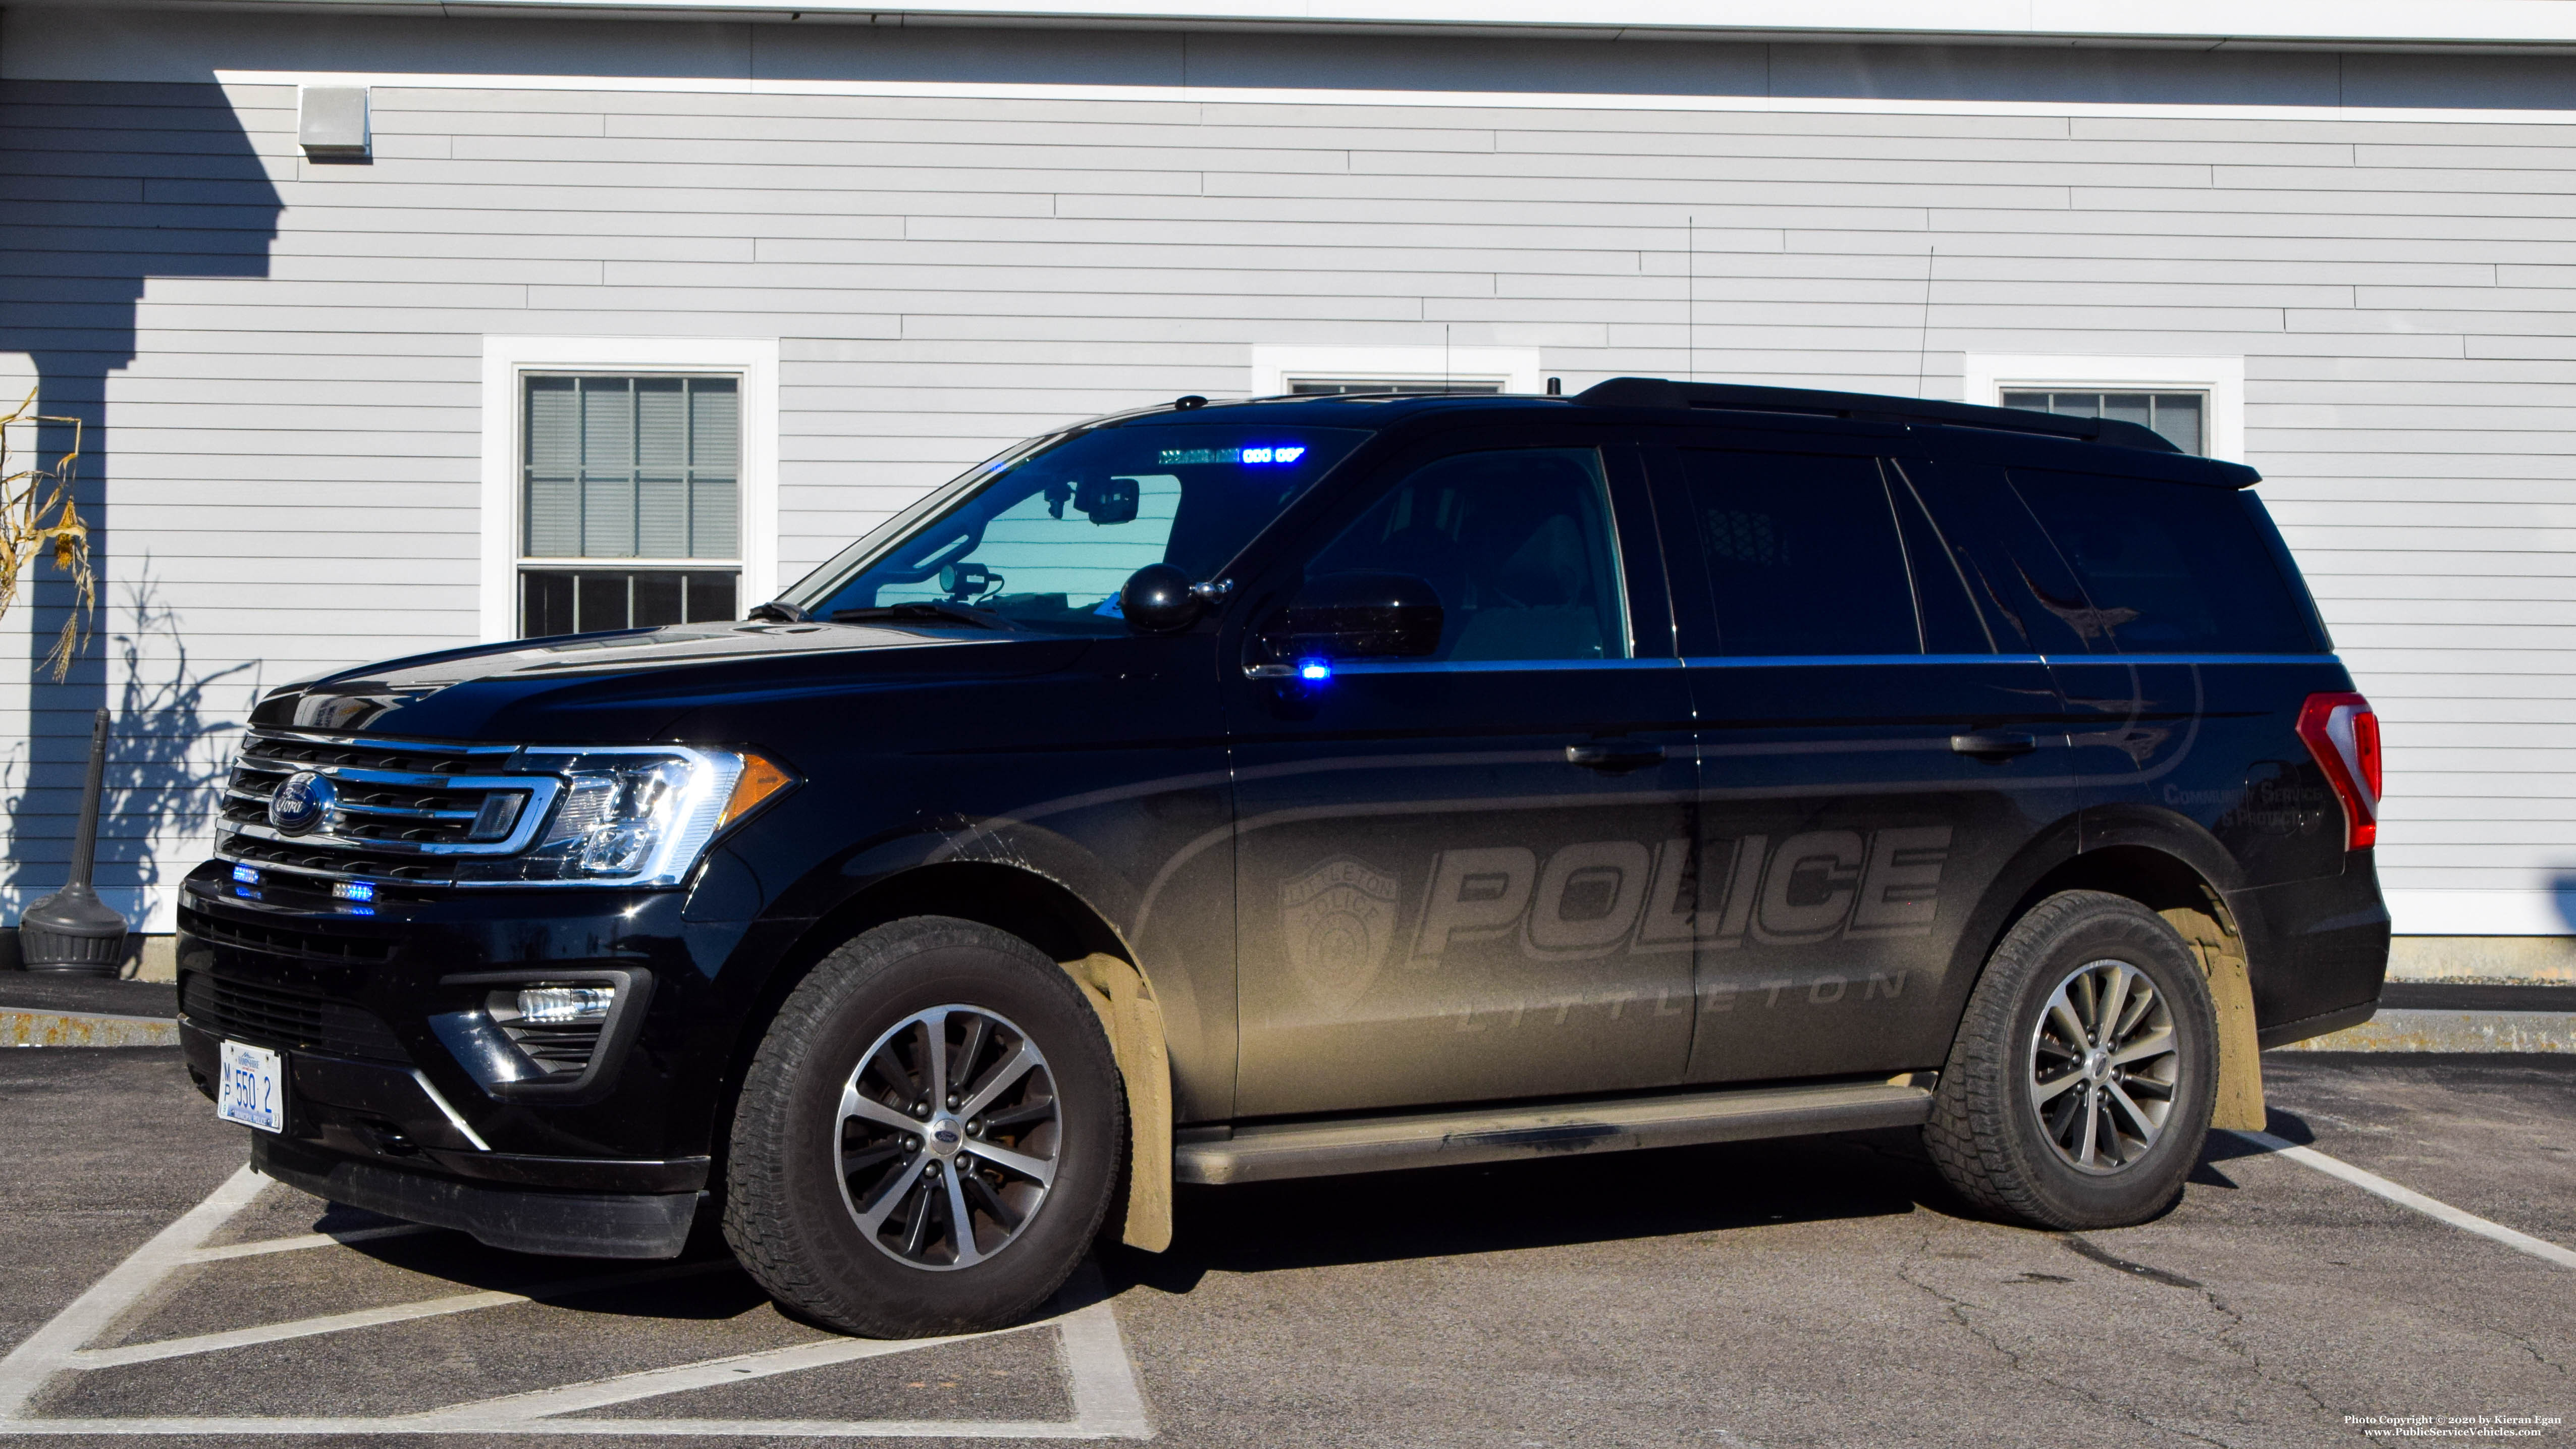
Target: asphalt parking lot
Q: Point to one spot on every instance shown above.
(1810, 1293)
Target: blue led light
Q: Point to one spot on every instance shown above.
(1289, 453)
(245, 875)
(353, 890)
(362, 910)
(1314, 669)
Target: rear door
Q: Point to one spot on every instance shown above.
(1871, 755)
(1453, 869)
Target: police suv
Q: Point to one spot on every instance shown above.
(1217, 793)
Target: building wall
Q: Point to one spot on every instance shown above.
(959, 237)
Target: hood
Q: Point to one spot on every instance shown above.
(632, 687)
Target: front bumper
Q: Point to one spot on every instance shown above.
(564, 1224)
(395, 1102)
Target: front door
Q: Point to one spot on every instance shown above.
(1457, 873)
(1872, 756)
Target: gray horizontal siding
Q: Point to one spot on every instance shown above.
(290, 352)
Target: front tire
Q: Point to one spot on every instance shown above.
(928, 1136)
(2079, 1088)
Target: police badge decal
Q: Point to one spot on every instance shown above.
(1337, 921)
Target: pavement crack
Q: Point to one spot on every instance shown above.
(1958, 1310)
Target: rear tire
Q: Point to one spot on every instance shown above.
(2079, 1088)
(885, 1186)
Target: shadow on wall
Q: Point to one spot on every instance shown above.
(103, 187)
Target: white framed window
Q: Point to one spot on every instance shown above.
(1326, 370)
(626, 481)
(2197, 403)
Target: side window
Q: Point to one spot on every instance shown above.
(1517, 544)
(1802, 554)
(2170, 567)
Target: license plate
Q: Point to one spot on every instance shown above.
(250, 1087)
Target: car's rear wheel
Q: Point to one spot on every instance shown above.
(2078, 1090)
(928, 1135)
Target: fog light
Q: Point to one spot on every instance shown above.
(565, 1005)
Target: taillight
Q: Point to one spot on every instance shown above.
(2342, 731)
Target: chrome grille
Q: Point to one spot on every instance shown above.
(404, 809)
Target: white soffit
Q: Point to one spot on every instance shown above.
(2196, 24)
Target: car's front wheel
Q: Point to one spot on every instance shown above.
(2078, 1090)
(928, 1136)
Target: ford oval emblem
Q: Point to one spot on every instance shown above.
(304, 801)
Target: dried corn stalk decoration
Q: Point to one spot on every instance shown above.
(37, 516)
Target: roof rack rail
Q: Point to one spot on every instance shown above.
(1657, 392)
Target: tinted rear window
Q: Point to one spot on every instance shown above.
(2171, 568)
(1802, 554)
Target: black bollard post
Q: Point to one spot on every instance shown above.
(72, 931)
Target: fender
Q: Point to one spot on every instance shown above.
(1126, 1001)
(2216, 930)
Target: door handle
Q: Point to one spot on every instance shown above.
(1614, 757)
(1993, 744)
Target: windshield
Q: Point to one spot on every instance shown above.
(1044, 537)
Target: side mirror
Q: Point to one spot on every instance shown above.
(1156, 599)
(1361, 614)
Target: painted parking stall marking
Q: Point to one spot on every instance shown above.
(2407, 1197)
(1091, 1352)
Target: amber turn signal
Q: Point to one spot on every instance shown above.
(761, 778)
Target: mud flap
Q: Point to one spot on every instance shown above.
(2231, 990)
(1134, 1022)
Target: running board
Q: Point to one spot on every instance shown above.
(1441, 1139)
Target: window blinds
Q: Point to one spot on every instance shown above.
(633, 467)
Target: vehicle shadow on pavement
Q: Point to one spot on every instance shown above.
(1543, 1202)
(703, 1284)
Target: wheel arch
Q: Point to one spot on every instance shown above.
(1056, 919)
(2184, 875)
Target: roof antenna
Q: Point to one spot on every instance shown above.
(1690, 314)
(1446, 383)
(1923, 349)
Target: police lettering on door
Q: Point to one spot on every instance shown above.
(1599, 896)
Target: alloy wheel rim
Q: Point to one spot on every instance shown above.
(947, 1136)
(2104, 1066)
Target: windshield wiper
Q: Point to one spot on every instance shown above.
(777, 611)
(924, 611)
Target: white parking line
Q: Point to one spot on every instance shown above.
(98, 1358)
(1107, 1403)
(2408, 1197)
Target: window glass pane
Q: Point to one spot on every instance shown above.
(599, 601)
(1335, 386)
(657, 600)
(661, 517)
(2129, 407)
(545, 604)
(715, 423)
(1802, 554)
(1942, 595)
(607, 423)
(710, 597)
(661, 425)
(2178, 417)
(1518, 546)
(1047, 537)
(2169, 567)
(581, 601)
(608, 515)
(628, 467)
(713, 518)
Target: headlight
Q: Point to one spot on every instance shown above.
(633, 816)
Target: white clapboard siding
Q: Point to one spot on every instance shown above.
(290, 470)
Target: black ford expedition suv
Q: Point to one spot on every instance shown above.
(1319, 785)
